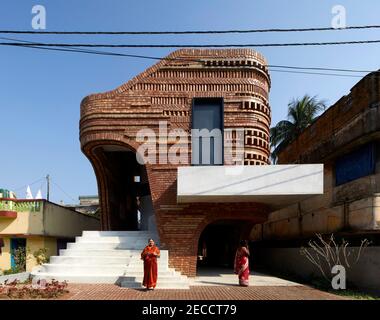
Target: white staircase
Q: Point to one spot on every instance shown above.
(109, 257)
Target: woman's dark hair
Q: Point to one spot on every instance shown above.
(150, 239)
(243, 243)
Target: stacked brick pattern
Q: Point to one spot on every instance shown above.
(164, 92)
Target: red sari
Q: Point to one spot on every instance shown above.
(241, 266)
(149, 255)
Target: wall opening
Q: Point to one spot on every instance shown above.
(18, 253)
(218, 243)
(128, 203)
(207, 131)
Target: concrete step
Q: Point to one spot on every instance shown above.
(163, 282)
(116, 233)
(161, 277)
(112, 239)
(121, 269)
(140, 270)
(131, 262)
(164, 258)
(98, 260)
(115, 269)
(140, 266)
(132, 242)
(168, 276)
(99, 252)
(160, 285)
(169, 273)
(109, 257)
(75, 249)
(136, 247)
(105, 245)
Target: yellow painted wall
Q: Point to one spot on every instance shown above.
(51, 246)
(62, 222)
(5, 256)
(51, 220)
(25, 223)
(33, 244)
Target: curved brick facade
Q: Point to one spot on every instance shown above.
(164, 92)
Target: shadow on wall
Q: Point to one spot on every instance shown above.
(289, 263)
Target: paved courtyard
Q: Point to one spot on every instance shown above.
(208, 285)
(225, 277)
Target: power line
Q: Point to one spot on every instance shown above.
(319, 73)
(320, 68)
(30, 184)
(191, 31)
(63, 191)
(107, 53)
(89, 45)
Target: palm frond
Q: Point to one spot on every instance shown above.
(301, 113)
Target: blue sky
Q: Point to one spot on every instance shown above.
(41, 90)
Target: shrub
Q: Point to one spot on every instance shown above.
(19, 256)
(41, 256)
(42, 290)
(11, 271)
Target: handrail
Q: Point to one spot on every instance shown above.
(20, 200)
(20, 205)
(33, 205)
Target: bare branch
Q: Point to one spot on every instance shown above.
(327, 253)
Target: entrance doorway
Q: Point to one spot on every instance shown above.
(218, 243)
(18, 253)
(128, 204)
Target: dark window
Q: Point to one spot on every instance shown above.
(207, 131)
(354, 165)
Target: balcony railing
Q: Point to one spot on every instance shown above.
(20, 205)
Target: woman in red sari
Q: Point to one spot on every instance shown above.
(149, 255)
(241, 265)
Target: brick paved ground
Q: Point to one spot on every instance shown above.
(113, 292)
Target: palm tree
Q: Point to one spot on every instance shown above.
(301, 113)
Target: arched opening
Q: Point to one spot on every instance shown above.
(127, 202)
(218, 243)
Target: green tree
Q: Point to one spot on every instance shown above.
(301, 113)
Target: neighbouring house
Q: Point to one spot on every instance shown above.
(346, 139)
(38, 227)
(87, 205)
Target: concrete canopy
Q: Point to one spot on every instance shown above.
(274, 185)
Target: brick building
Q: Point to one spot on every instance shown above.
(191, 206)
(346, 139)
